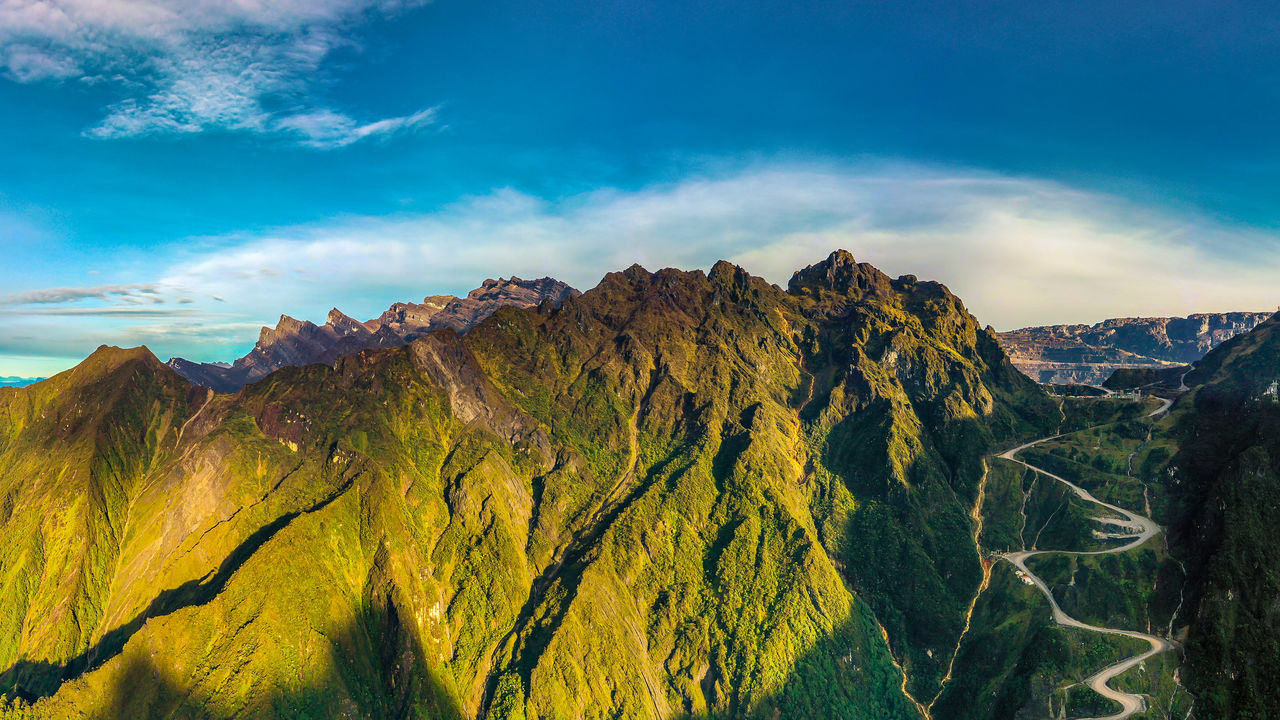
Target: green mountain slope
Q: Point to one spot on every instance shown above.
(679, 494)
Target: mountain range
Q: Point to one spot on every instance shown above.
(1088, 354)
(676, 495)
(296, 342)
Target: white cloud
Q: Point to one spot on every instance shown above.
(1017, 251)
(186, 66)
(324, 129)
(26, 64)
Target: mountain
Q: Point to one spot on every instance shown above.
(1090, 353)
(295, 342)
(679, 494)
(1228, 481)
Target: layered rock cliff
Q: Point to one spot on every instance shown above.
(1090, 353)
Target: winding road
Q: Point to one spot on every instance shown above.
(1137, 529)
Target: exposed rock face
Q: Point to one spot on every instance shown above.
(1090, 353)
(299, 342)
(410, 320)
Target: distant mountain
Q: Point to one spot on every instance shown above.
(1090, 353)
(299, 342)
(14, 381)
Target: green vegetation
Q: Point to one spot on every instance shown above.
(1016, 662)
(1116, 590)
(1084, 702)
(1129, 378)
(1155, 678)
(1074, 390)
(1079, 413)
(679, 495)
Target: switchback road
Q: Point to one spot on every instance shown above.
(1137, 529)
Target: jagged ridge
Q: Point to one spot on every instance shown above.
(301, 342)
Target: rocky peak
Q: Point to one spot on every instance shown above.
(841, 274)
(344, 324)
(285, 327)
(516, 287)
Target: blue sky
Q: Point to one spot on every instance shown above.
(179, 173)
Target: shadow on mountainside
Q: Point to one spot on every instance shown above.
(378, 670)
(34, 680)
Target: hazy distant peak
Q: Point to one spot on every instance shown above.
(301, 342)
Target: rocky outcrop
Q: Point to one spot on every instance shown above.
(1090, 353)
(300, 342)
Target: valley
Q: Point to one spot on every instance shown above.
(1135, 529)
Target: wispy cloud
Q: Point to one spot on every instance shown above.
(135, 293)
(188, 332)
(187, 66)
(26, 64)
(325, 129)
(125, 313)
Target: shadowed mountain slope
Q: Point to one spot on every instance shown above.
(1228, 484)
(676, 495)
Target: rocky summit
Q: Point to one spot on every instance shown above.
(1089, 354)
(298, 342)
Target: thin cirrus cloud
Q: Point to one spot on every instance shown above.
(1018, 252)
(188, 66)
(134, 294)
(325, 129)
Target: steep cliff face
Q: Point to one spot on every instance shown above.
(1228, 484)
(679, 494)
(1090, 353)
(299, 342)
